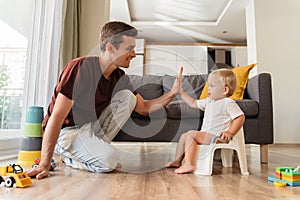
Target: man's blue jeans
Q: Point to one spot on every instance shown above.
(87, 147)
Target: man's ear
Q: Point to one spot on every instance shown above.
(109, 47)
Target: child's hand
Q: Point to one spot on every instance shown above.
(226, 135)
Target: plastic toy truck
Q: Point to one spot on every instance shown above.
(13, 175)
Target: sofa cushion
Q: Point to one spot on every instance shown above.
(192, 84)
(249, 107)
(179, 110)
(149, 87)
(159, 114)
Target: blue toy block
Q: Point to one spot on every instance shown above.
(272, 179)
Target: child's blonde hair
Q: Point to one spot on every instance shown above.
(228, 78)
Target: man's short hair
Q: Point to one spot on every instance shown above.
(113, 31)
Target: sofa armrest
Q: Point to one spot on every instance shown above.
(259, 88)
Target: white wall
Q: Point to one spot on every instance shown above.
(276, 50)
(277, 45)
(95, 13)
(251, 37)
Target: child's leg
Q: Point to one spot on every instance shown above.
(192, 140)
(179, 155)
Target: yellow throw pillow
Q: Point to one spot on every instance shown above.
(242, 74)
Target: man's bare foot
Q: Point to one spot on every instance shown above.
(185, 169)
(119, 166)
(173, 163)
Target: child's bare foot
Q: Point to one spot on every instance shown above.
(173, 163)
(185, 169)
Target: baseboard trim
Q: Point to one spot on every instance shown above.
(8, 157)
(284, 144)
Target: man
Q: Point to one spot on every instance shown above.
(92, 101)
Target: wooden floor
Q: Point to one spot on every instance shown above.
(144, 178)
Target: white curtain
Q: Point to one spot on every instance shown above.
(43, 54)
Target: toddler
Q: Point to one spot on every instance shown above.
(222, 117)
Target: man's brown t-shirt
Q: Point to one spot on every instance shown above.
(82, 82)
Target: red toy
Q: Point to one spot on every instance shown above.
(37, 162)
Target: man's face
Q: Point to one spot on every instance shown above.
(125, 52)
(216, 87)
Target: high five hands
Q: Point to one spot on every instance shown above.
(177, 86)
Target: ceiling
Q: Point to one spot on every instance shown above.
(212, 21)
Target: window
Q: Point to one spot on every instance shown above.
(14, 35)
(12, 68)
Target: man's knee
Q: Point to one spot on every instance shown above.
(127, 97)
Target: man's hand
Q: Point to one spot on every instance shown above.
(61, 109)
(177, 86)
(39, 172)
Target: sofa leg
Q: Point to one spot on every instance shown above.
(264, 154)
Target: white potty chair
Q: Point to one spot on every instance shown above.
(206, 154)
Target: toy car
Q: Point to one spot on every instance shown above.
(13, 176)
(37, 162)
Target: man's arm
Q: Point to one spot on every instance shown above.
(144, 107)
(61, 109)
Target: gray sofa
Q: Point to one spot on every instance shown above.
(167, 124)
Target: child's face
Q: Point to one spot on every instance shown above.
(216, 87)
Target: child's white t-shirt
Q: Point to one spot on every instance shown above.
(218, 114)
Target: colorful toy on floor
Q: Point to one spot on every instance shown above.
(37, 162)
(32, 141)
(13, 176)
(288, 175)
